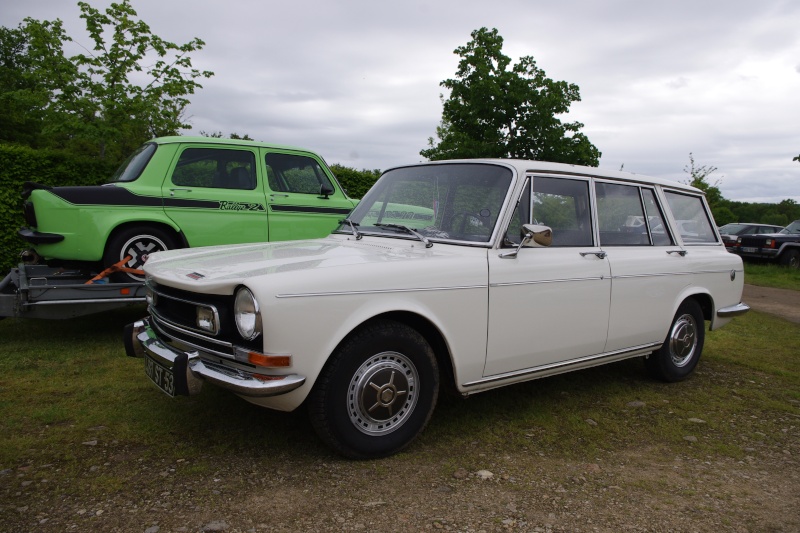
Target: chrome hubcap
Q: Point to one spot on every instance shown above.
(683, 340)
(382, 393)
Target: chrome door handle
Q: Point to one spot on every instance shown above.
(279, 195)
(172, 191)
(681, 253)
(601, 254)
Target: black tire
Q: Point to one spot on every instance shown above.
(377, 392)
(138, 243)
(681, 351)
(791, 258)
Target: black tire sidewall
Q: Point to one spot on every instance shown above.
(660, 363)
(328, 403)
(113, 252)
(788, 255)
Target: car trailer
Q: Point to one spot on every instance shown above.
(41, 291)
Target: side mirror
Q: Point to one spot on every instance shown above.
(536, 236)
(533, 236)
(325, 191)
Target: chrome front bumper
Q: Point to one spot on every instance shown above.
(189, 371)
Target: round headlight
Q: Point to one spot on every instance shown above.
(247, 314)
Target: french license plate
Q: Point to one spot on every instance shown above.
(749, 249)
(162, 376)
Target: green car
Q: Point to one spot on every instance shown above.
(177, 192)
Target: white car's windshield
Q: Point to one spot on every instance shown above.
(453, 202)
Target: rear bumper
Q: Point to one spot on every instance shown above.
(190, 371)
(36, 237)
(757, 253)
(733, 310)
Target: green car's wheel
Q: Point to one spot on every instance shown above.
(137, 243)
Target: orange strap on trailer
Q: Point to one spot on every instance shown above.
(116, 267)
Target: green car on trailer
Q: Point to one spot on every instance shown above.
(178, 192)
(173, 192)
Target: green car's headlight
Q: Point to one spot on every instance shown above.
(247, 314)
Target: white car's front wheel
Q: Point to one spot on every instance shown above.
(377, 392)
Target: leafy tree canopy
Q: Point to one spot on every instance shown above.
(497, 111)
(129, 86)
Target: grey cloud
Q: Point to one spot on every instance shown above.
(358, 80)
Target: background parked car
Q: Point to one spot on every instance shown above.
(177, 192)
(730, 232)
(783, 246)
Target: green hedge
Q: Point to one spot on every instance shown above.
(20, 164)
(355, 182)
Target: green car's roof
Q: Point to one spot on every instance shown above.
(228, 142)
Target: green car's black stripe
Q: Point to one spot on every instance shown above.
(119, 196)
(104, 195)
(309, 209)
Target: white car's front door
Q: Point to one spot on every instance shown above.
(546, 306)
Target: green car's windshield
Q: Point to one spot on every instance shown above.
(452, 202)
(132, 168)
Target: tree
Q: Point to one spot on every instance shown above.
(32, 69)
(131, 86)
(494, 111)
(699, 178)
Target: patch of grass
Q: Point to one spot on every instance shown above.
(70, 397)
(772, 275)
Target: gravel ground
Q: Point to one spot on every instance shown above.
(106, 486)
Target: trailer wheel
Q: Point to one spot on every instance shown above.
(137, 243)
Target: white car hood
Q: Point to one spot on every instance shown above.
(216, 269)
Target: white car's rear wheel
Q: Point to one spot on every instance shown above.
(681, 351)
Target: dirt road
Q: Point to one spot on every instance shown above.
(779, 302)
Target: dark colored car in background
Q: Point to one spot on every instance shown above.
(731, 232)
(783, 246)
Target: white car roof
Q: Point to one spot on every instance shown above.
(523, 166)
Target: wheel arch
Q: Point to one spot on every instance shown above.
(424, 327)
(175, 233)
(705, 301)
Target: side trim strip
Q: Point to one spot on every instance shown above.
(377, 291)
(563, 366)
(537, 282)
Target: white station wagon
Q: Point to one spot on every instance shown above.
(476, 273)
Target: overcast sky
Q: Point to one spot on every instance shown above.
(358, 81)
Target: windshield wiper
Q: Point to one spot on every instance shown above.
(416, 234)
(353, 226)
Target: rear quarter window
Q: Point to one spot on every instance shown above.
(693, 222)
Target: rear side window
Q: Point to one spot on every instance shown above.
(692, 221)
(216, 168)
(295, 173)
(132, 168)
(628, 215)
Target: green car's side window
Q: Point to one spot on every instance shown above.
(295, 173)
(215, 168)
